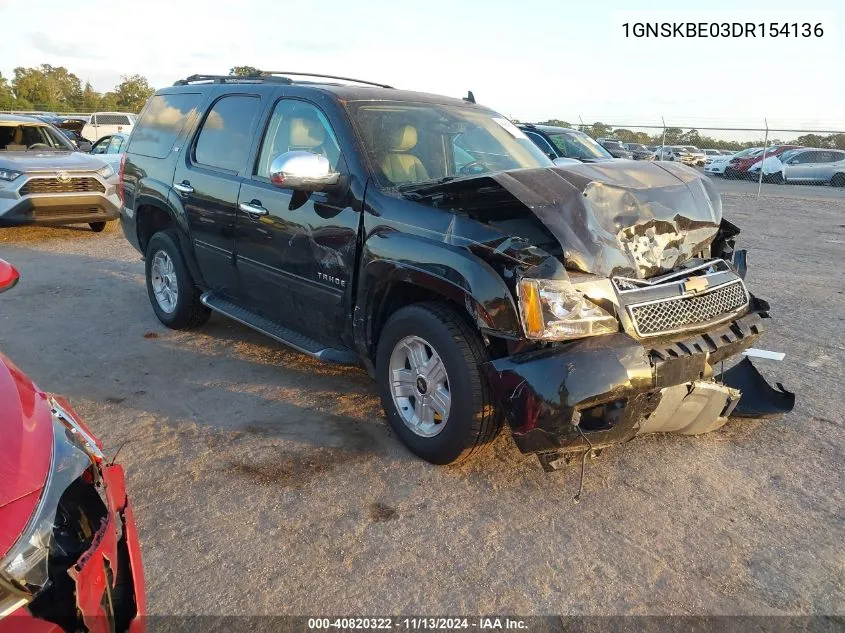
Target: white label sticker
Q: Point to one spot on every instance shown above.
(510, 128)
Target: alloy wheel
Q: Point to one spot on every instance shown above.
(419, 385)
(163, 279)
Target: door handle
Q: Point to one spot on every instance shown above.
(183, 188)
(253, 208)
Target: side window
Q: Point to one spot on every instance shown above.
(223, 141)
(838, 156)
(297, 125)
(161, 122)
(114, 145)
(542, 143)
(101, 146)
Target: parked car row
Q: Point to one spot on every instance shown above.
(90, 128)
(783, 164)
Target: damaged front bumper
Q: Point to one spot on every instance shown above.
(611, 388)
(104, 591)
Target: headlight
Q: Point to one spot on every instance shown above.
(106, 172)
(554, 310)
(23, 571)
(9, 174)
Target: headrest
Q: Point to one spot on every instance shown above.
(306, 133)
(402, 138)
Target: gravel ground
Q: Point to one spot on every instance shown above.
(265, 482)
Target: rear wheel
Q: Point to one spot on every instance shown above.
(838, 180)
(97, 227)
(428, 372)
(174, 296)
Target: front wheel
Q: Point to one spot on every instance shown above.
(428, 372)
(838, 180)
(173, 294)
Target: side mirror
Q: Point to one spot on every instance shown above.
(9, 276)
(303, 171)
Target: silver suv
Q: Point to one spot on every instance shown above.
(43, 180)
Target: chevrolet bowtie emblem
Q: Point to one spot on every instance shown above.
(696, 284)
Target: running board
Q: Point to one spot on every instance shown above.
(280, 333)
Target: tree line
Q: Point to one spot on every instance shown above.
(56, 89)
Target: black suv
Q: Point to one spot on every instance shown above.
(564, 145)
(429, 240)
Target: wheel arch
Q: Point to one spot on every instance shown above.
(153, 215)
(439, 273)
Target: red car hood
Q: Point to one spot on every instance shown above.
(26, 429)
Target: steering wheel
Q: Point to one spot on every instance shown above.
(39, 146)
(474, 168)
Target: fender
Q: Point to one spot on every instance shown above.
(441, 268)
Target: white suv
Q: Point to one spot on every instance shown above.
(108, 123)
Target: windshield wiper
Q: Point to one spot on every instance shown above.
(413, 186)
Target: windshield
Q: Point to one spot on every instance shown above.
(692, 149)
(680, 150)
(613, 144)
(636, 147)
(411, 144)
(19, 137)
(577, 145)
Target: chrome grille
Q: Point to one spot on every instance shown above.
(54, 185)
(677, 313)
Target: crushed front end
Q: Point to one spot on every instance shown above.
(605, 390)
(632, 323)
(77, 565)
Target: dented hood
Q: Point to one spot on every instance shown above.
(637, 219)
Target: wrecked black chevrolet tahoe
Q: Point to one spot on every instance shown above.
(429, 240)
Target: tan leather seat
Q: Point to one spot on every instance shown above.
(398, 164)
(306, 133)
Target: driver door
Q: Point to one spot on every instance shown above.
(295, 250)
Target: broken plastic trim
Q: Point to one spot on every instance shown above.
(759, 399)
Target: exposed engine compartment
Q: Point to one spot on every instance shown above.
(608, 219)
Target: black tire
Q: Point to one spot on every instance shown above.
(189, 312)
(474, 419)
(775, 178)
(731, 173)
(838, 180)
(98, 227)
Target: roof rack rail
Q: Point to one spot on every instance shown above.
(274, 73)
(221, 79)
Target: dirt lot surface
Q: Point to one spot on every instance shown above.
(265, 482)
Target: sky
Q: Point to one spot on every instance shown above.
(530, 60)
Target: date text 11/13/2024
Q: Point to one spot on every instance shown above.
(418, 623)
